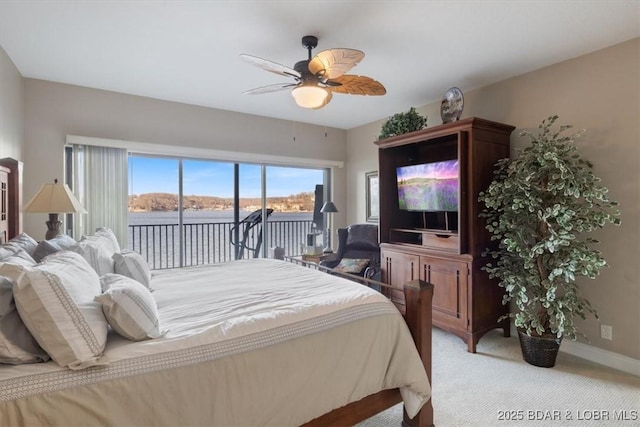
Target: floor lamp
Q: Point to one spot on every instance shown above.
(328, 208)
(54, 199)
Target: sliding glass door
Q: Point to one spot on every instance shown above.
(185, 212)
(154, 210)
(209, 208)
(295, 194)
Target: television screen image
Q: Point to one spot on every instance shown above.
(428, 187)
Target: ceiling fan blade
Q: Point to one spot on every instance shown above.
(269, 88)
(356, 85)
(332, 63)
(274, 67)
(326, 101)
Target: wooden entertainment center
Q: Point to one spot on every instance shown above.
(444, 248)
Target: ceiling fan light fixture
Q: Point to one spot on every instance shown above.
(310, 96)
(318, 78)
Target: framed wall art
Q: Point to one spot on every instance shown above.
(372, 196)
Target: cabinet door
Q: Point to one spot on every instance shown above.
(398, 268)
(450, 281)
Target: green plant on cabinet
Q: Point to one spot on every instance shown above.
(402, 123)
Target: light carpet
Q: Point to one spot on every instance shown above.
(496, 387)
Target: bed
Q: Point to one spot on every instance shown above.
(249, 342)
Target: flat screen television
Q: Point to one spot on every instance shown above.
(428, 187)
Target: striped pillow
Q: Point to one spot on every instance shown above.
(17, 345)
(26, 242)
(55, 301)
(131, 264)
(98, 253)
(129, 307)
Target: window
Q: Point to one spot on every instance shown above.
(207, 205)
(186, 212)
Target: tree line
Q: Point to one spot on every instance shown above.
(154, 202)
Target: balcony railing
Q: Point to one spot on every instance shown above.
(208, 243)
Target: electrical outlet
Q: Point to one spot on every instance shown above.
(606, 332)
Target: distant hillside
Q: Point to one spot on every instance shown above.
(150, 202)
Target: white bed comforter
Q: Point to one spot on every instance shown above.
(247, 343)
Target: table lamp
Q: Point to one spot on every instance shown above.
(54, 199)
(328, 208)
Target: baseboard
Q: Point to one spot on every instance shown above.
(597, 355)
(602, 357)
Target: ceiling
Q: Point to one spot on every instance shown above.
(188, 51)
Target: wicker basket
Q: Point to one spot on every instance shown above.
(539, 351)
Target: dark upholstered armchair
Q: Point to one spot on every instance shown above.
(358, 242)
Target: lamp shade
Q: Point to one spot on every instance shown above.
(54, 198)
(310, 96)
(328, 207)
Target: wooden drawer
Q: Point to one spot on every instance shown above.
(443, 242)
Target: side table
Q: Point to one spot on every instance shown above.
(310, 259)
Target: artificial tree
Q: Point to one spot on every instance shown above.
(540, 208)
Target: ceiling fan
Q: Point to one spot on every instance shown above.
(317, 78)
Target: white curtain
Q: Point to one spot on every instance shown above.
(100, 183)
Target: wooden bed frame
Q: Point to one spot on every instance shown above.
(417, 313)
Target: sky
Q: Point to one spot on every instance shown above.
(210, 178)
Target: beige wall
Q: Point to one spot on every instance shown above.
(11, 109)
(599, 92)
(55, 110)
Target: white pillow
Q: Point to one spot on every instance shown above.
(19, 257)
(107, 233)
(97, 252)
(55, 300)
(17, 345)
(98, 248)
(131, 264)
(9, 249)
(129, 307)
(26, 242)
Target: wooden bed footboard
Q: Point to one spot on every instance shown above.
(417, 313)
(418, 296)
